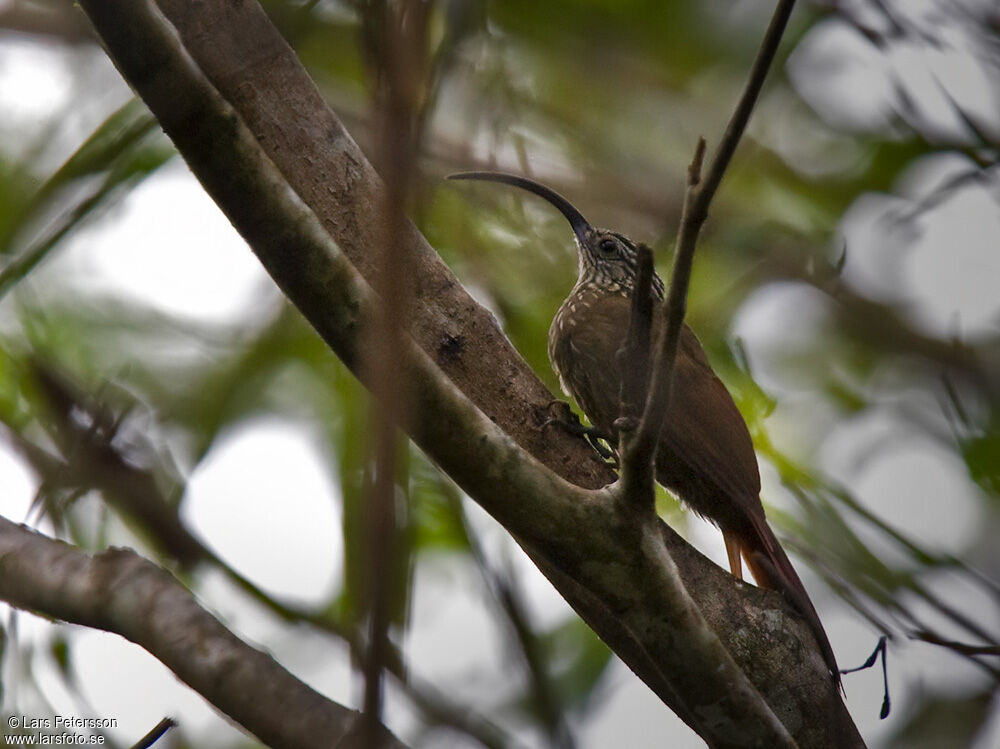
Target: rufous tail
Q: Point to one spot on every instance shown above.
(772, 569)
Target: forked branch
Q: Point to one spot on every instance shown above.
(638, 455)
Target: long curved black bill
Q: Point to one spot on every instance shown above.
(576, 220)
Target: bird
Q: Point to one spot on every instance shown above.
(705, 454)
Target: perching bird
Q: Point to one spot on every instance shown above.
(705, 455)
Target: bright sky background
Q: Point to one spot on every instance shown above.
(286, 538)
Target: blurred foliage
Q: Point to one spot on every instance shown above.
(604, 101)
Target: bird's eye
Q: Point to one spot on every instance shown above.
(608, 247)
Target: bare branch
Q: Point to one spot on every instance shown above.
(674, 306)
(638, 457)
(962, 648)
(741, 115)
(697, 200)
(155, 734)
(120, 592)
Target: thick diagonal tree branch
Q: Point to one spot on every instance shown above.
(120, 592)
(254, 69)
(610, 575)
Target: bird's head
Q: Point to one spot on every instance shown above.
(608, 260)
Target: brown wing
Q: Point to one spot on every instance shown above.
(705, 440)
(705, 448)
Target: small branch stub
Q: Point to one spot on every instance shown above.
(694, 168)
(155, 734)
(694, 213)
(634, 366)
(633, 357)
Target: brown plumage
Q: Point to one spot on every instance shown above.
(705, 454)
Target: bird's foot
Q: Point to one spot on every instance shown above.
(560, 414)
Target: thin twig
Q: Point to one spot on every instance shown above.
(697, 200)
(954, 613)
(155, 734)
(963, 648)
(741, 116)
(643, 447)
